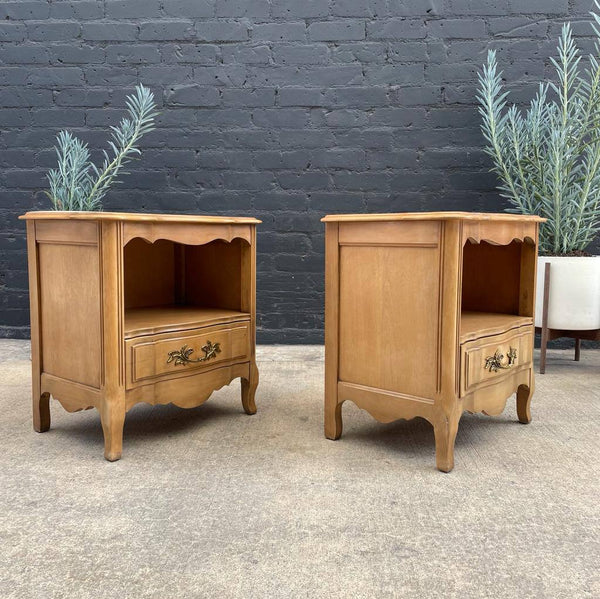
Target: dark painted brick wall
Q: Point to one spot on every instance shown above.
(282, 109)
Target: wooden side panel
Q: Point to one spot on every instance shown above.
(247, 278)
(333, 413)
(213, 275)
(72, 396)
(149, 273)
(41, 410)
(248, 304)
(528, 278)
(387, 406)
(70, 312)
(389, 318)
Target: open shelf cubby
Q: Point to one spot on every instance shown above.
(172, 286)
(497, 292)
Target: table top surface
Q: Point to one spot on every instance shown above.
(247, 220)
(477, 216)
(140, 217)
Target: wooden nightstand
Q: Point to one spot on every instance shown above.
(129, 308)
(429, 314)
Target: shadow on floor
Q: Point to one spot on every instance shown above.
(408, 436)
(144, 420)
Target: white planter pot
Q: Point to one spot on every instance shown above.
(574, 299)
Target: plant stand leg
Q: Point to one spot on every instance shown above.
(577, 349)
(545, 318)
(249, 390)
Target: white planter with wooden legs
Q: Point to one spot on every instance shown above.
(569, 288)
(574, 300)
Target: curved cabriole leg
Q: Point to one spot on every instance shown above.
(113, 420)
(41, 412)
(333, 420)
(445, 434)
(524, 394)
(249, 390)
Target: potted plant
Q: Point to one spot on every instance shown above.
(77, 184)
(548, 161)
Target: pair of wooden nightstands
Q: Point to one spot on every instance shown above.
(427, 314)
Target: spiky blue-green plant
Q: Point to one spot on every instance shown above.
(77, 183)
(548, 157)
(71, 181)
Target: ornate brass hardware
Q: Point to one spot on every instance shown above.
(494, 363)
(182, 356)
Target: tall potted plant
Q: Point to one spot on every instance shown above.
(76, 183)
(548, 161)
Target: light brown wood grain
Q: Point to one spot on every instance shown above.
(149, 273)
(400, 233)
(248, 304)
(333, 408)
(501, 231)
(386, 406)
(527, 279)
(66, 232)
(112, 407)
(147, 357)
(139, 217)
(478, 217)
(72, 396)
(71, 338)
(450, 316)
(447, 402)
(445, 430)
(492, 400)
(475, 325)
(186, 232)
(107, 306)
(378, 347)
(191, 392)
(491, 277)
(414, 304)
(173, 318)
(40, 401)
(474, 355)
(213, 275)
(524, 395)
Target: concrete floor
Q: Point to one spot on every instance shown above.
(210, 502)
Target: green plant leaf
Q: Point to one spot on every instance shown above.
(547, 157)
(77, 183)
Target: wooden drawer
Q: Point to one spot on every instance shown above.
(174, 354)
(483, 361)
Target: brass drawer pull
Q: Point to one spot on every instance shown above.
(182, 356)
(494, 363)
